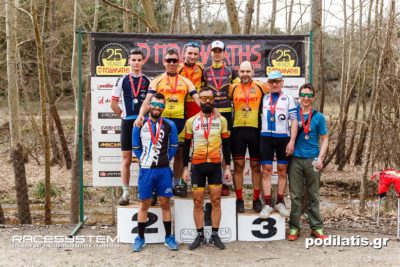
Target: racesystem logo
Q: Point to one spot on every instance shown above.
(60, 241)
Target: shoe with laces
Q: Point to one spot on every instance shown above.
(138, 244)
(124, 200)
(318, 234)
(266, 211)
(281, 208)
(199, 241)
(180, 189)
(216, 241)
(225, 190)
(257, 205)
(293, 235)
(170, 243)
(239, 206)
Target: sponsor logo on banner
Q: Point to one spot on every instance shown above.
(109, 144)
(109, 174)
(114, 159)
(107, 115)
(105, 86)
(284, 58)
(110, 129)
(106, 100)
(112, 60)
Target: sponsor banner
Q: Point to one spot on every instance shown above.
(110, 129)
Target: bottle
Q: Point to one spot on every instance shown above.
(314, 164)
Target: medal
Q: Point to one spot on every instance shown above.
(173, 88)
(273, 107)
(272, 119)
(306, 126)
(158, 130)
(221, 73)
(246, 93)
(135, 91)
(206, 132)
(173, 98)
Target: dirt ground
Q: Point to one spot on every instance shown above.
(277, 253)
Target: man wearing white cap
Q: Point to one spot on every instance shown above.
(276, 137)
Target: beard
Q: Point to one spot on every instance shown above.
(155, 114)
(206, 108)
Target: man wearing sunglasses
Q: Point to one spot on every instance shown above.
(277, 137)
(132, 89)
(246, 97)
(306, 164)
(175, 88)
(207, 132)
(155, 144)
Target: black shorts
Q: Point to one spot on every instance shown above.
(229, 119)
(269, 145)
(126, 134)
(243, 138)
(202, 171)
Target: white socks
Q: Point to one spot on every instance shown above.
(126, 190)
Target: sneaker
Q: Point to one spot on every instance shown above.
(138, 245)
(257, 205)
(266, 211)
(200, 240)
(216, 241)
(239, 206)
(281, 208)
(225, 190)
(319, 234)
(170, 243)
(293, 235)
(124, 200)
(180, 189)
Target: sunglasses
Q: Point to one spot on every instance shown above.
(157, 105)
(205, 98)
(310, 95)
(274, 81)
(171, 60)
(193, 44)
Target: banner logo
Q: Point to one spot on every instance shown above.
(112, 60)
(107, 115)
(284, 58)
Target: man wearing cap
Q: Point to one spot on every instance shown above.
(278, 137)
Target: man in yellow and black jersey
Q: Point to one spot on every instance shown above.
(192, 70)
(175, 88)
(246, 97)
(218, 77)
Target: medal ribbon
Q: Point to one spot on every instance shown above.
(273, 107)
(170, 83)
(246, 92)
(206, 132)
(306, 127)
(218, 86)
(134, 90)
(154, 138)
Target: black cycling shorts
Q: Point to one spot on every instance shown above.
(270, 145)
(243, 138)
(126, 134)
(229, 119)
(202, 171)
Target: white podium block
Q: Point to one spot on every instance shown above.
(252, 228)
(127, 224)
(185, 229)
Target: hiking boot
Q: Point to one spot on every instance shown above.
(225, 190)
(138, 244)
(266, 211)
(180, 189)
(170, 243)
(318, 234)
(216, 241)
(239, 206)
(257, 205)
(124, 200)
(281, 208)
(200, 240)
(293, 235)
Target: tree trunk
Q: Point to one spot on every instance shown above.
(273, 18)
(2, 218)
(125, 17)
(316, 22)
(43, 102)
(149, 13)
(289, 18)
(199, 18)
(86, 117)
(248, 16)
(21, 188)
(56, 159)
(189, 17)
(258, 17)
(232, 16)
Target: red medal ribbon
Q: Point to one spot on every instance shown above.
(170, 83)
(134, 90)
(273, 107)
(306, 127)
(187, 73)
(154, 138)
(246, 92)
(218, 86)
(206, 132)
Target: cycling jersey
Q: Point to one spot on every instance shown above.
(195, 75)
(277, 124)
(206, 149)
(175, 93)
(159, 155)
(247, 103)
(218, 78)
(130, 103)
